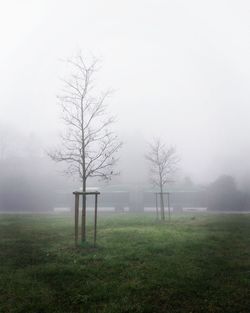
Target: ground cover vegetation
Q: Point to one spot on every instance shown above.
(196, 263)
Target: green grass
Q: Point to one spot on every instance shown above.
(197, 263)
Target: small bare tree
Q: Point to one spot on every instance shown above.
(163, 165)
(88, 145)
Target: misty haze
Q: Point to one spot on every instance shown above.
(124, 156)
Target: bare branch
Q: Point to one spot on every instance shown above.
(88, 145)
(163, 163)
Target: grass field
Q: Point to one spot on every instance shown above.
(197, 263)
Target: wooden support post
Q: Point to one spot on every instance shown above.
(95, 226)
(156, 205)
(83, 218)
(163, 208)
(76, 217)
(169, 213)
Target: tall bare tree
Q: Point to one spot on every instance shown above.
(89, 144)
(163, 165)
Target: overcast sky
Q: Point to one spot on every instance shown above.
(180, 69)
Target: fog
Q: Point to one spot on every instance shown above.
(179, 70)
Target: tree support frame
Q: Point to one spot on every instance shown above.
(77, 195)
(157, 206)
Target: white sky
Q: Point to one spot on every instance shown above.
(181, 70)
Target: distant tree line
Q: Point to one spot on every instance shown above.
(28, 184)
(33, 184)
(224, 195)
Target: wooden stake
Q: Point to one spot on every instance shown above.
(95, 227)
(169, 215)
(163, 208)
(83, 217)
(156, 204)
(76, 217)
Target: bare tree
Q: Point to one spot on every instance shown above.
(163, 165)
(89, 144)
